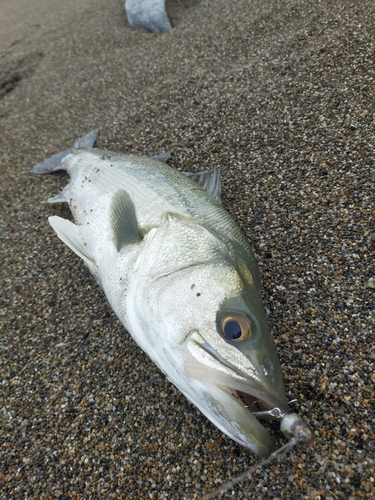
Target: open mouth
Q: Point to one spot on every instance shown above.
(259, 408)
(255, 405)
(252, 393)
(234, 401)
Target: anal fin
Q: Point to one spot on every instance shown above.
(60, 197)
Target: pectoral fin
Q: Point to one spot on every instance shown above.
(123, 220)
(69, 234)
(209, 180)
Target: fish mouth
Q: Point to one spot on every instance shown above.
(258, 407)
(237, 400)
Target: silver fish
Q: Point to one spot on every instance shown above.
(182, 279)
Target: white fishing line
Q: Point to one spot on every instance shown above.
(247, 474)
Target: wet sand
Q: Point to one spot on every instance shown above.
(280, 95)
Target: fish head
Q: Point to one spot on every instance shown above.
(213, 341)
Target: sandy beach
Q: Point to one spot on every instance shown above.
(279, 94)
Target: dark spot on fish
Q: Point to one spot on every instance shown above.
(198, 294)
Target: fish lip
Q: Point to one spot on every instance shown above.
(244, 389)
(224, 385)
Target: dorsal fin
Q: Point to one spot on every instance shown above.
(69, 234)
(87, 141)
(123, 220)
(163, 157)
(209, 180)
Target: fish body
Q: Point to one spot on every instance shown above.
(182, 279)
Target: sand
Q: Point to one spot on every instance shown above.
(280, 95)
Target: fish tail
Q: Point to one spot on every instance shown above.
(55, 162)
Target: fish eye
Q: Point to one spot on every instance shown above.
(235, 327)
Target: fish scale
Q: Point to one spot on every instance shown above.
(153, 187)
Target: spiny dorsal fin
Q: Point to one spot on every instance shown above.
(209, 180)
(69, 234)
(123, 220)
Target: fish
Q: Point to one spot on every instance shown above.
(149, 14)
(182, 279)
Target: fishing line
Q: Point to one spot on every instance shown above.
(247, 474)
(292, 426)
